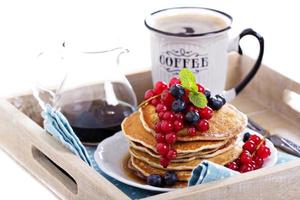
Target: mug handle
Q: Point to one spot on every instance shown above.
(231, 93)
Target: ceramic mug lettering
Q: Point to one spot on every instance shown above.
(196, 38)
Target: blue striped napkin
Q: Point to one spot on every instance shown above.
(58, 126)
(207, 171)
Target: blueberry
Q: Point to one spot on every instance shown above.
(177, 91)
(178, 105)
(155, 180)
(207, 93)
(192, 117)
(215, 103)
(221, 97)
(170, 178)
(246, 137)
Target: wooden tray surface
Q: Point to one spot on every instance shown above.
(267, 100)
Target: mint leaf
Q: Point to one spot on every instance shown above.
(194, 88)
(188, 80)
(198, 99)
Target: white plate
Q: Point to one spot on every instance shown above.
(111, 152)
(109, 156)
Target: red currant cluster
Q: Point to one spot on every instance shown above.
(253, 155)
(175, 111)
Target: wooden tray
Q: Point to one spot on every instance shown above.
(268, 100)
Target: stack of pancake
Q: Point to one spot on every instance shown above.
(218, 144)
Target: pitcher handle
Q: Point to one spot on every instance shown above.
(124, 50)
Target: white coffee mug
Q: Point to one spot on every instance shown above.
(196, 38)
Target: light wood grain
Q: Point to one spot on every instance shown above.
(21, 138)
(271, 89)
(262, 100)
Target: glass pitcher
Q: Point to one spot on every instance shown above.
(94, 96)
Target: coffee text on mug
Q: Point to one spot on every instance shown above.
(174, 60)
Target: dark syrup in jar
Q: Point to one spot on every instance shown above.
(93, 121)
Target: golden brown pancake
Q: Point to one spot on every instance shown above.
(190, 156)
(220, 159)
(140, 147)
(229, 145)
(224, 124)
(219, 151)
(178, 184)
(146, 170)
(134, 131)
(218, 144)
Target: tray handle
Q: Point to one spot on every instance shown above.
(49, 161)
(55, 170)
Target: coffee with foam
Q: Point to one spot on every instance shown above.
(190, 23)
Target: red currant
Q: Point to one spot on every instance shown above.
(173, 81)
(232, 165)
(178, 125)
(179, 116)
(164, 162)
(162, 148)
(172, 154)
(171, 138)
(238, 161)
(149, 94)
(160, 108)
(255, 139)
(206, 113)
(186, 96)
(191, 131)
(203, 125)
(167, 98)
(246, 168)
(155, 101)
(263, 152)
(168, 115)
(192, 108)
(161, 115)
(157, 127)
(245, 157)
(166, 126)
(160, 138)
(249, 146)
(253, 164)
(200, 88)
(159, 87)
(258, 161)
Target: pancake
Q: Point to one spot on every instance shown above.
(224, 124)
(219, 151)
(220, 159)
(178, 184)
(191, 156)
(133, 130)
(140, 147)
(146, 170)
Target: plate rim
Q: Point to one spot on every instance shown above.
(110, 173)
(120, 135)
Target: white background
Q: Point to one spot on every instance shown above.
(28, 27)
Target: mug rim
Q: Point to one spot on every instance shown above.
(193, 34)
